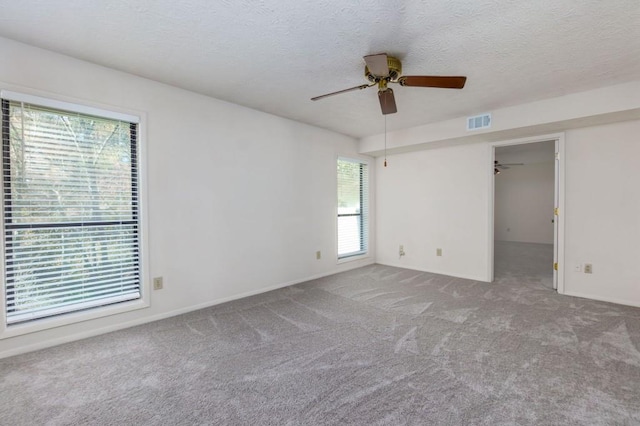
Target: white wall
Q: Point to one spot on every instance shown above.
(603, 212)
(524, 203)
(435, 199)
(439, 198)
(239, 201)
(610, 104)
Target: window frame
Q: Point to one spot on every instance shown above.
(105, 111)
(364, 215)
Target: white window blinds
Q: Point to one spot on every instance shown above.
(353, 207)
(70, 207)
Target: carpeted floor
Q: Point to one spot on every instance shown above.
(527, 262)
(374, 346)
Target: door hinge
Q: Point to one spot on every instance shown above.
(555, 266)
(557, 155)
(555, 211)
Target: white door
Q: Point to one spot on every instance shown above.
(556, 198)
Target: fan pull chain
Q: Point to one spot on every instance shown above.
(385, 141)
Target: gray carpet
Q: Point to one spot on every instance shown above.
(529, 263)
(373, 346)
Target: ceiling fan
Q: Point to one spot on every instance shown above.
(498, 166)
(381, 69)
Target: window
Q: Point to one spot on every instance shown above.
(353, 208)
(70, 208)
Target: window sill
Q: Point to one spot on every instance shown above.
(70, 318)
(353, 258)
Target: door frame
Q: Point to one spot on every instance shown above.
(559, 224)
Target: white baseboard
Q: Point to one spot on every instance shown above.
(139, 321)
(416, 268)
(601, 299)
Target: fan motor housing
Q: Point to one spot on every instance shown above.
(395, 71)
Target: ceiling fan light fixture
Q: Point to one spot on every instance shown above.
(498, 166)
(382, 69)
(375, 69)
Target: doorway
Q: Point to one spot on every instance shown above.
(526, 233)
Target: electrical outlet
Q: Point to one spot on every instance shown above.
(588, 269)
(401, 250)
(318, 255)
(438, 252)
(157, 283)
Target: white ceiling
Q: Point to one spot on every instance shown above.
(275, 55)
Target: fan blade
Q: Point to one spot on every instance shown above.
(377, 64)
(443, 82)
(362, 86)
(387, 102)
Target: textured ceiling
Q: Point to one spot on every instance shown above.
(275, 55)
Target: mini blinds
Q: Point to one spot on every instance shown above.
(71, 225)
(353, 208)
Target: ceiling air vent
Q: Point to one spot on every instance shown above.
(482, 121)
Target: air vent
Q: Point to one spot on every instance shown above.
(482, 121)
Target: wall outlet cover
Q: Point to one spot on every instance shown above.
(157, 283)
